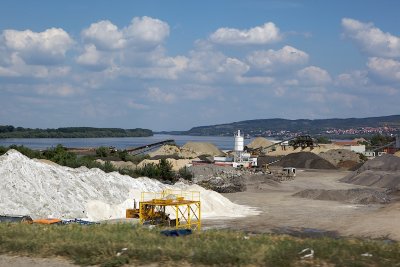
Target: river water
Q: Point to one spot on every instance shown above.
(222, 142)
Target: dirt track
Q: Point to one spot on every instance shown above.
(281, 210)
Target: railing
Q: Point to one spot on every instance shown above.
(172, 195)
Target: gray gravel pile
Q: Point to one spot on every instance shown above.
(353, 196)
(304, 160)
(383, 171)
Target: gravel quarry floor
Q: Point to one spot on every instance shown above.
(280, 210)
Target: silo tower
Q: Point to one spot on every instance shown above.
(239, 147)
(239, 142)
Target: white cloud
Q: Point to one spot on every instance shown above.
(314, 76)
(255, 80)
(62, 90)
(371, 39)
(156, 95)
(133, 104)
(18, 68)
(104, 35)
(265, 34)
(233, 66)
(38, 48)
(146, 30)
(355, 79)
(387, 69)
(5, 72)
(93, 59)
(275, 59)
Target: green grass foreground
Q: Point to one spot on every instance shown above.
(100, 244)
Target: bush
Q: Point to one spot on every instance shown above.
(185, 173)
(108, 167)
(3, 150)
(161, 171)
(30, 153)
(61, 156)
(323, 140)
(102, 152)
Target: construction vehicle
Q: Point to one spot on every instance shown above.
(280, 173)
(178, 209)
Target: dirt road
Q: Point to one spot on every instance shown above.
(280, 210)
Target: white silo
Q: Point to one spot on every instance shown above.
(239, 142)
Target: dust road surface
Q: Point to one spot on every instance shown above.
(279, 209)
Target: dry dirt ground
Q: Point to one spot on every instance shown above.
(19, 261)
(281, 212)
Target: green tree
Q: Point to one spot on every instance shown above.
(381, 140)
(166, 170)
(323, 140)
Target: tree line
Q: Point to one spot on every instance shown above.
(8, 131)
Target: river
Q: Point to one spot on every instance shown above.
(222, 142)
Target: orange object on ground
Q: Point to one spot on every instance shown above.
(47, 221)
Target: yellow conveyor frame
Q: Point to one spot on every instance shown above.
(184, 205)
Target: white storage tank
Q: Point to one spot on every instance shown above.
(239, 142)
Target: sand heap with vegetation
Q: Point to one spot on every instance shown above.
(39, 189)
(190, 150)
(176, 164)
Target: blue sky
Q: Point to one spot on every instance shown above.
(173, 65)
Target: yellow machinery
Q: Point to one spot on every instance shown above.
(175, 208)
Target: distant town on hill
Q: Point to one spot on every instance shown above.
(281, 128)
(9, 131)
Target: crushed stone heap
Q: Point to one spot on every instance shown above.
(383, 171)
(342, 158)
(306, 160)
(31, 187)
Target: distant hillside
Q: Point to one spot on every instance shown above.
(271, 127)
(71, 132)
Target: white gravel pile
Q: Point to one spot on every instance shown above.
(42, 190)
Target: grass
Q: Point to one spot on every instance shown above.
(100, 244)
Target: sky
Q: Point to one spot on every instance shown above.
(173, 65)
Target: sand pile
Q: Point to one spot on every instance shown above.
(341, 158)
(354, 196)
(41, 190)
(304, 160)
(383, 171)
(259, 142)
(202, 148)
(166, 150)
